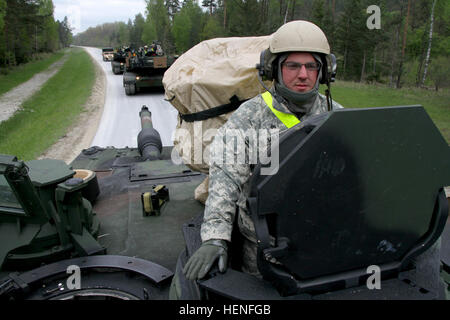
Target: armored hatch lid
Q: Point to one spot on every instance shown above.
(48, 171)
(360, 189)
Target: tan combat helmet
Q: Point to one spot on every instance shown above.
(299, 36)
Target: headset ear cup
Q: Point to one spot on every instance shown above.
(333, 65)
(260, 65)
(265, 68)
(328, 69)
(267, 59)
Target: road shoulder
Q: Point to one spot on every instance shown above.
(80, 135)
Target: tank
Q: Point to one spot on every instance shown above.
(119, 60)
(116, 222)
(145, 68)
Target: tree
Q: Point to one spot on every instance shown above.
(242, 18)
(180, 31)
(123, 34)
(273, 16)
(430, 38)
(149, 32)
(328, 25)
(2, 13)
(440, 69)
(48, 40)
(28, 28)
(2, 38)
(212, 29)
(105, 35)
(351, 40)
(157, 25)
(405, 32)
(65, 33)
(224, 12)
(137, 30)
(211, 4)
(318, 13)
(187, 26)
(173, 6)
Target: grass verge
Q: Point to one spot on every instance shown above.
(356, 95)
(25, 72)
(45, 117)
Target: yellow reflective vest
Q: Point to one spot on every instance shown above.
(288, 119)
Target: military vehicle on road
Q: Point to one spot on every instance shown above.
(107, 54)
(145, 69)
(356, 210)
(119, 60)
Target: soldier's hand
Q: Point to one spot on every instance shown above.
(202, 260)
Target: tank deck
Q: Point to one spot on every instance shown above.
(124, 230)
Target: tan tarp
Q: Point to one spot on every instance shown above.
(207, 76)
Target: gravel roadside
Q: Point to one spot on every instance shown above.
(80, 135)
(11, 101)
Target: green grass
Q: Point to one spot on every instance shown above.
(355, 95)
(45, 117)
(25, 72)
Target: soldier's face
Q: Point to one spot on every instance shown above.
(299, 79)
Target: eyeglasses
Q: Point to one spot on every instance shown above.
(296, 66)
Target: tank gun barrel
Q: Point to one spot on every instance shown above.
(148, 140)
(146, 118)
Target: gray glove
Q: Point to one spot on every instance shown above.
(202, 260)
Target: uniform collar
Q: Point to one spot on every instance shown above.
(277, 103)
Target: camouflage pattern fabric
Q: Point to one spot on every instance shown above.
(229, 182)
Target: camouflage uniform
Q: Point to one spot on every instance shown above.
(229, 183)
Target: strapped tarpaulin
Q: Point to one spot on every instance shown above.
(205, 85)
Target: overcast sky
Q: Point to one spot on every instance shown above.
(83, 14)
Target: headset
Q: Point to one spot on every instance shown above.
(267, 68)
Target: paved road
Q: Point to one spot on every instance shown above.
(120, 123)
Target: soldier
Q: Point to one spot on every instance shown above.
(297, 61)
(153, 49)
(145, 51)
